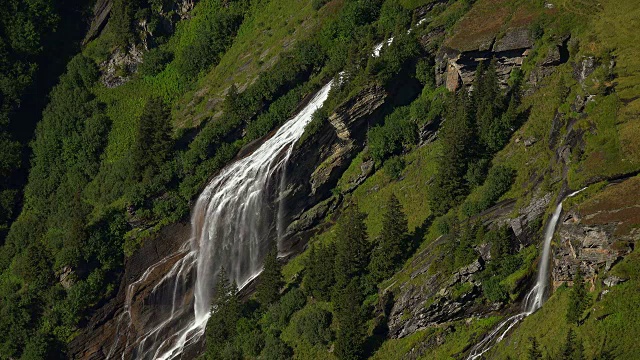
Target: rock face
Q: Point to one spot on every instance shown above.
(455, 68)
(120, 65)
(101, 12)
(317, 164)
(314, 168)
(102, 333)
(597, 234)
(436, 298)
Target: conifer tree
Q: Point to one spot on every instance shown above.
(121, 22)
(487, 101)
(351, 320)
(572, 349)
(457, 134)
(271, 281)
(225, 313)
(534, 352)
(352, 247)
(319, 271)
(393, 242)
(154, 136)
(577, 298)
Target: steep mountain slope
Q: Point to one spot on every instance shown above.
(411, 217)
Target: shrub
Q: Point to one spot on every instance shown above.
(276, 349)
(314, 325)
(318, 119)
(279, 313)
(397, 134)
(425, 73)
(493, 290)
(318, 4)
(393, 167)
(498, 182)
(155, 60)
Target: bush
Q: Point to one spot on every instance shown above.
(397, 134)
(318, 4)
(279, 313)
(425, 73)
(318, 119)
(497, 184)
(393, 167)
(212, 34)
(276, 349)
(314, 325)
(493, 290)
(155, 60)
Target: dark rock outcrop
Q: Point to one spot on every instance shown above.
(432, 300)
(104, 331)
(455, 68)
(101, 12)
(317, 164)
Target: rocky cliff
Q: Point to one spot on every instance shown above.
(598, 233)
(106, 331)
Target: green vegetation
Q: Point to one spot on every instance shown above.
(110, 166)
(578, 299)
(392, 245)
(477, 126)
(268, 289)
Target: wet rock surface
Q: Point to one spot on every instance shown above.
(317, 164)
(103, 333)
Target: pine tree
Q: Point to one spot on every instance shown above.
(271, 281)
(534, 352)
(352, 247)
(393, 242)
(458, 146)
(487, 101)
(351, 321)
(319, 271)
(577, 298)
(573, 349)
(568, 348)
(154, 137)
(121, 23)
(225, 313)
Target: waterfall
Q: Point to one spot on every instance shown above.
(534, 298)
(232, 224)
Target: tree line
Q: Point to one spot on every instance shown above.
(342, 273)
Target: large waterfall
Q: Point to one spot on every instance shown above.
(535, 297)
(232, 225)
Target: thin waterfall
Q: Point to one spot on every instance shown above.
(535, 297)
(233, 223)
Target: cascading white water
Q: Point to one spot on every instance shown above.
(535, 297)
(233, 222)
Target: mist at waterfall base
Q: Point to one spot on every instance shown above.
(535, 297)
(233, 223)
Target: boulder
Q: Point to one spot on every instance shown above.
(514, 39)
(613, 281)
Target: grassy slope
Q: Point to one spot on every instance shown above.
(612, 322)
(262, 37)
(615, 119)
(264, 34)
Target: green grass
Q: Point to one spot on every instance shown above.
(612, 323)
(265, 33)
(263, 36)
(412, 189)
(436, 342)
(412, 4)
